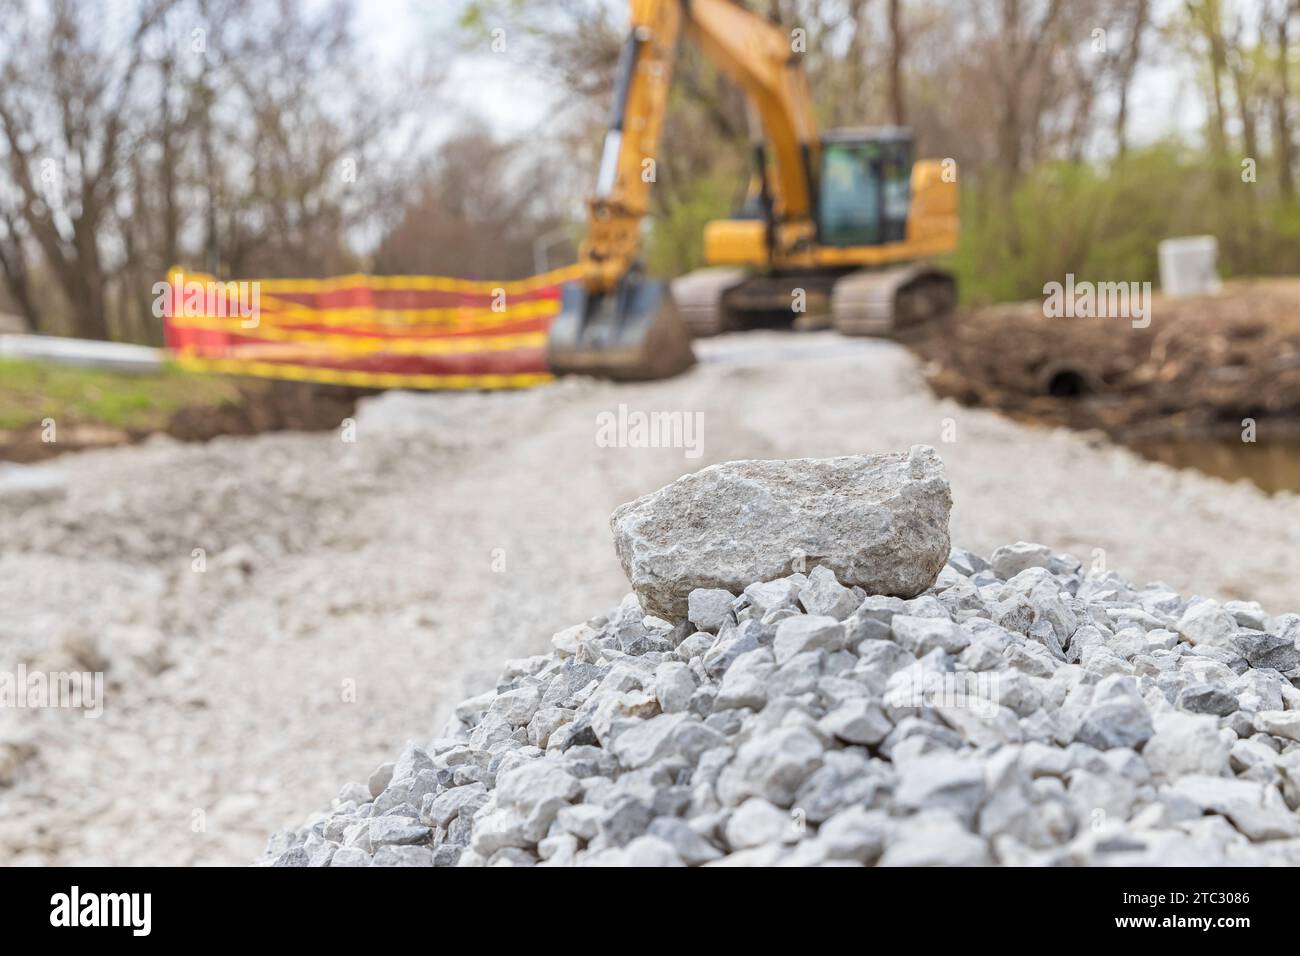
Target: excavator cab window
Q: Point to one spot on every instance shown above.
(896, 185)
(863, 192)
(849, 200)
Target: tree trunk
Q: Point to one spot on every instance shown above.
(897, 50)
(1141, 9)
(1008, 137)
(88, 319)
(1218, 57)
(856, 57)
(167, 168)
(83, 276)
(13, 263)
(1014, 74)
(1281, 102)
(1242, 82)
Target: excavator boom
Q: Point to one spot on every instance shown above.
(811, 237)
(614, 321)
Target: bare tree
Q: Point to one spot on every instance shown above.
(1280, 21)
(65, 109)
(249, 136)
(1206, 17)
(897, 51)
(477, 212)
(857, 65)
(1240, 68)
(574, 42)
(14, 263)
(1128, 68)
(1024, 43)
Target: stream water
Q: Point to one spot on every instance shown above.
(1274, 466)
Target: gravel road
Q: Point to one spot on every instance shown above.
(351, 592)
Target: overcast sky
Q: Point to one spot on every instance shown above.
(492, 87)
(514, 100)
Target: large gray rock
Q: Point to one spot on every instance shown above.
(877, 521)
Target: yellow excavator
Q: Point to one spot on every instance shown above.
(838, 225)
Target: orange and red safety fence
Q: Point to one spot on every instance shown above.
(427, 332)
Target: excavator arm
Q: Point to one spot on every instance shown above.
(614, 322)
(760, 59)
(631, 148)
(755, 55)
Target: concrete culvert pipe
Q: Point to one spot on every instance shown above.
(1064, 382)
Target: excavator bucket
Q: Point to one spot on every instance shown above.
(631, 334)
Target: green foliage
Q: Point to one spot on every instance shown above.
(676, 242)
(31, 391)
(1104, 223)
(478, 16)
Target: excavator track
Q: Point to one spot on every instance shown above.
(699, 298)
(887, 302)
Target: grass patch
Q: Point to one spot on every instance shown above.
(32, 391)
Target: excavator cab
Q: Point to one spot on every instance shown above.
(864, 262)
(864, 187)
(864, 181)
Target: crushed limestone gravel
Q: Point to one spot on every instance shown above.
(1024, 710)
(353, 592)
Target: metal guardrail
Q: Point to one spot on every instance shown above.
(114, 356)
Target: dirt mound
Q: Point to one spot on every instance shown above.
(261, 406)
(27, 444)
(269, 406)
(1200, 366)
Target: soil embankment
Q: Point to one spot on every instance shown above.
(221, 407)
(1213, 382)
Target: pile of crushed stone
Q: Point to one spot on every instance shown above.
(1020, 711)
